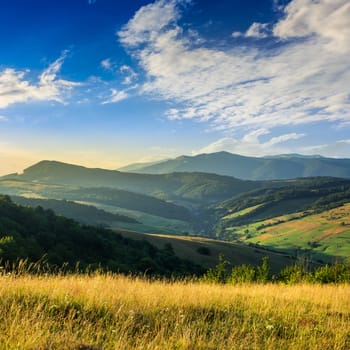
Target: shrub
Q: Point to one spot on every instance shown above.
(242, 274)
(219, 273)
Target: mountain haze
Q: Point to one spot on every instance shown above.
(176, 186)
(252, 168)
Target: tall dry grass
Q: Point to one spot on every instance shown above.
(117, 312)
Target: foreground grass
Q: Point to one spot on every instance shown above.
(116, 312)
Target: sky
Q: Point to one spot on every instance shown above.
(105, 83)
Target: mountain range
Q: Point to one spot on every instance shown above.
(297, 215)
(249, 168)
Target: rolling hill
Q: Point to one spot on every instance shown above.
(311, 219)
(189, 188)
(251, 168)
(202, 204)
(205, 252)
(86, 214)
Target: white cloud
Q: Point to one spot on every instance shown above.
(301, 81)
(116, 96)
(129, 74)
(237, 34)
(148, 21)
(329, 20)
(106, 63)
(258, 30)
(339, 149)
(3, 118)
(14, 88)
(251, 145)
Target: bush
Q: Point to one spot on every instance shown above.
(263, 271)
(294, 274)
(242, 274)
(337, 273)
(219, 273)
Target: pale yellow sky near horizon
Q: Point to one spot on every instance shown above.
(16, 160)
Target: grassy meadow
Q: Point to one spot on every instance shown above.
(326, 233)
(104, 311)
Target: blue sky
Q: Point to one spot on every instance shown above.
(105, 83)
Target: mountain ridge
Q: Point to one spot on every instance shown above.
(280, 167)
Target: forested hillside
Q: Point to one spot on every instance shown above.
(34, 234)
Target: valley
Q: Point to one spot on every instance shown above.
(281, 218)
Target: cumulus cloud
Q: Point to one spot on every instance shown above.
(15, 88)
(251, 144)
(148, 22)
(300, 81)
(328, 20)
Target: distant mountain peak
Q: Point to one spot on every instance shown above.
(284, 166)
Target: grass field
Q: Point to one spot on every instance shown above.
(115, 312)
(326, 233)
(241, 212)
(148, 222)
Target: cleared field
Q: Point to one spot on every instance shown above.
(115, 312)
(241, 212)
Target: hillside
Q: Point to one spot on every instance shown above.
(34, 234)
(251, 168)
(205, 252)
(309, 219)
(86, 214)
(319, 235)
(186, 187)
(202, 204)
(97, 195)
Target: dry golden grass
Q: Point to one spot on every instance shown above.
(116, 312)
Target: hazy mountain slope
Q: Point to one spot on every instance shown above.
(192, 187)
(97, 195)
(131, 201)
(134, 167)
(86, 214)
(252, 168)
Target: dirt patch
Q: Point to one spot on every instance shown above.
(331, 232)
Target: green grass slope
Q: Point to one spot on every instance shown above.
(321, 235)
(291, 218)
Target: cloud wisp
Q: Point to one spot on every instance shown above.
(251, 144)
(303, 79)
(15, 88)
